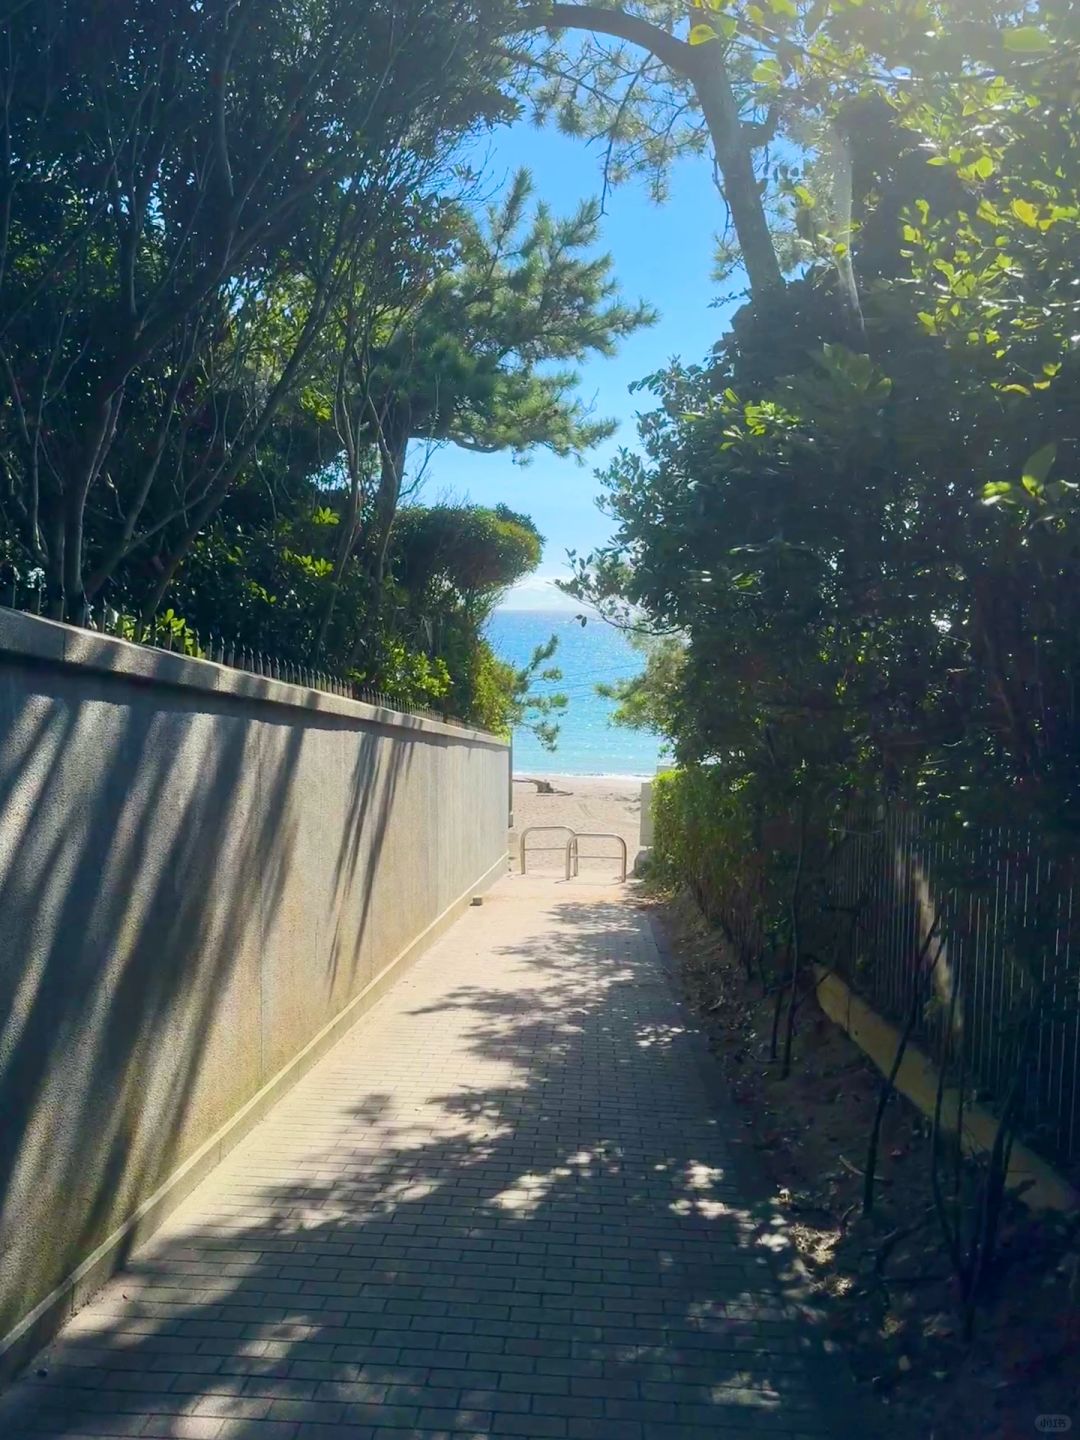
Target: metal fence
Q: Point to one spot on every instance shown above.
(978, 935)
(178, 639)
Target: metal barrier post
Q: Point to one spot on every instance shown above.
(573, 851)
(532, 829)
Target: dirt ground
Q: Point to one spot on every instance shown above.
(886, 1282)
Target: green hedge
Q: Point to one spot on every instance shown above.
(706, 838)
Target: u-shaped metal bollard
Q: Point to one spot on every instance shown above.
(573, 852)
(532, 830)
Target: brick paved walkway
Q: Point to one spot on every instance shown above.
(501, 1206)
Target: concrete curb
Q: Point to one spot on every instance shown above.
(917, 1080)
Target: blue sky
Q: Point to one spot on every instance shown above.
(661, 254)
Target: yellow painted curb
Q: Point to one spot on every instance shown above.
(917, 1079)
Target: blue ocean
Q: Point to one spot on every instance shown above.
(588, 742)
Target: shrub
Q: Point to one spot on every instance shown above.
(706, 837)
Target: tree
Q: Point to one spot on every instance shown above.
(872, 551)
(258, 579)
(639, 104)
(454, 564)
(463, 556)
(650, 700)
(653, 79)
(464, 350)
(173, 174)
(468, 356)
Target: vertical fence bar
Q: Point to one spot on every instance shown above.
(1070, 1073)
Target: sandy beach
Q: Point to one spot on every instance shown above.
(605, 803)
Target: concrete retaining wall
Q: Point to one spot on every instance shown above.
(645, 837)
(205, 876)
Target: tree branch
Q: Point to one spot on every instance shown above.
(665, 46)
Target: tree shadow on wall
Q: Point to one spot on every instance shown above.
(558, 1248)
(146, 849)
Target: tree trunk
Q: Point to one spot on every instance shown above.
(346, 545)
(704, 66)
(74, 595)
(393, 448)
(735, 161)
(76, 491)
(53, 514)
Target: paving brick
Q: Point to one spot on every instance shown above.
(180, 1427)
(532, 1425)
(246, 1429)
(503, 1204)
(239, 1407)
(274, 1388)
(502, 1400)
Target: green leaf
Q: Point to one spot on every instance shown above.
(767, 71)
(996, 490)
(702, 34)
(783, 7)
(1025, 211)
(1026, 40)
